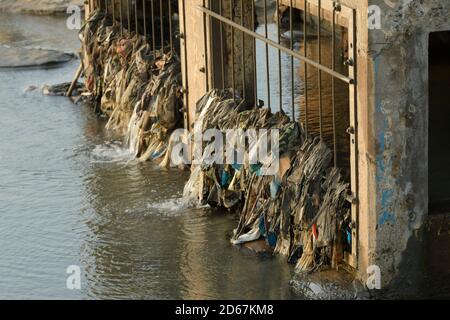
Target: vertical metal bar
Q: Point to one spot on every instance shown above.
(255, 76)
(152, 9)
(333, 85)
(233, 76)
(292, 60)
(170, 25)
(114, 12)
(244, 96)
(319, 59)
(161, 20)
(222, 47)
(121, 18)
(305, 48)
(183, 53)
(280, 79)
(136, 17)
(128, 16)
(205, 41)
(266, 34)
(144, 9)
(106, 6)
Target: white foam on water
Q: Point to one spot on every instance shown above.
(171, 206)
(174, 206)
(111, 153)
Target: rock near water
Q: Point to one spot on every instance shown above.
(16, 57)
(44, 7)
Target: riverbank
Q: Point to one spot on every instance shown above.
(38, 7)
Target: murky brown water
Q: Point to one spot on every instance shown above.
(71, 195)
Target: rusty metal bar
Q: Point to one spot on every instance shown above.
(278, 46)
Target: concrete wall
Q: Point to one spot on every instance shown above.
(396, 136)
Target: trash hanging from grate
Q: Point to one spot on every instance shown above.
(137, 87)
(300, 212)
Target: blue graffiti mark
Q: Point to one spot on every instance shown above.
(386, 196)
(383, 165)
(387, 217)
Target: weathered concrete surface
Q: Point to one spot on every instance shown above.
(397, 129)
(14, 57)
(43, 7)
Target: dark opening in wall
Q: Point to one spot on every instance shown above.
(439, 123)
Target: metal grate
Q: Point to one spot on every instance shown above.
(154, 19)
(337, 79)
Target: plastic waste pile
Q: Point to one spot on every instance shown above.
(138, 88)
(300, 212)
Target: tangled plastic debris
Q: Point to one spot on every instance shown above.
(301, 211)
(137, 87)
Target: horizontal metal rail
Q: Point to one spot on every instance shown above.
(293, 53)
